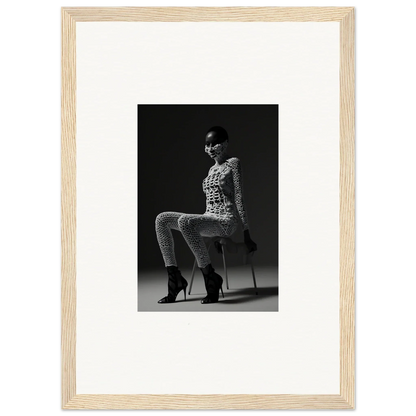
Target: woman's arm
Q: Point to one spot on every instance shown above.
(238, 191)
(239, 202)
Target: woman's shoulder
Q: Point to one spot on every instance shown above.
(234, 162)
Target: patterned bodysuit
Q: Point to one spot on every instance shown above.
(224, 205)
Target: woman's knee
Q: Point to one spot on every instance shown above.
(187, 222)
(161, 219)
(183, 222)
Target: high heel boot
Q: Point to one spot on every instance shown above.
(213, 284)
(176, 283)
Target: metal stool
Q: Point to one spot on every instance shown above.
(232, 247)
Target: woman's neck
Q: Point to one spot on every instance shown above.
(221, 159)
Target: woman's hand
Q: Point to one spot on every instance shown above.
(251, 245)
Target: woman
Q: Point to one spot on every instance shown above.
(224, 206)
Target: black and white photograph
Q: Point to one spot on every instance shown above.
(208, 208)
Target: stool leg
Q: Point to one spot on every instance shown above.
(225, 265)
(192, 278)
(254, 276)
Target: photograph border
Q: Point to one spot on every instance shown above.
(346, 398)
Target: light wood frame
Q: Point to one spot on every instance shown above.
(343, 15)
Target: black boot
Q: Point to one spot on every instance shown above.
(213, 284)
(176, 283)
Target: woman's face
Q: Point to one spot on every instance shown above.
(213, 146)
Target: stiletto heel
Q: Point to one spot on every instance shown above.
(213, 284)
(176, 283)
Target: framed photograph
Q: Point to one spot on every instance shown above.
(208, 235)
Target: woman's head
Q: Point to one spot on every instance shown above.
(216, 141)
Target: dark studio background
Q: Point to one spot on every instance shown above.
(172, 165)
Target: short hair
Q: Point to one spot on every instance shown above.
(220, 132)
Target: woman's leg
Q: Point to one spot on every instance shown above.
(165, 222)
(193, 227)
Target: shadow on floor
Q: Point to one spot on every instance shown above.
(244, 295)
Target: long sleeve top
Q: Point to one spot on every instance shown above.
(223, 188)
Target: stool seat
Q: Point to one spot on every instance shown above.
(227, 244)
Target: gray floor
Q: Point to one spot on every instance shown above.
(240, 296)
